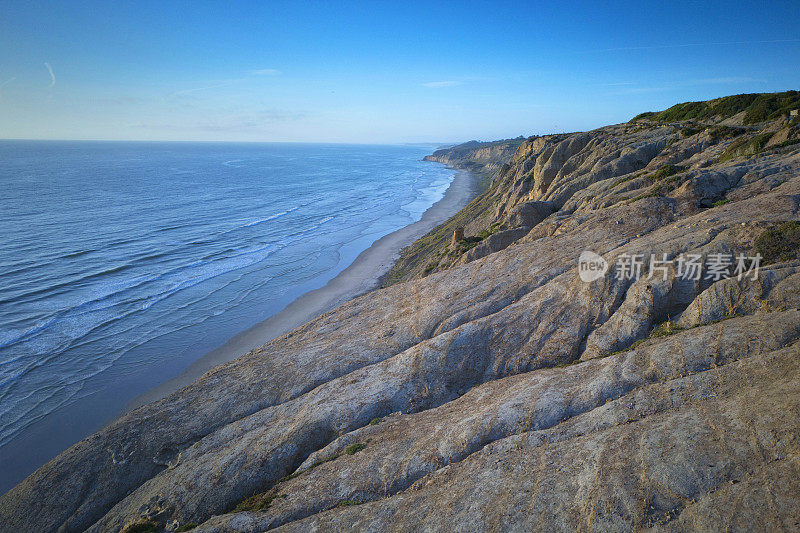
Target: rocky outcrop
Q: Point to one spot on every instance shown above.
(482, 157)
(501, 391)
(528, 214)
(495, 243)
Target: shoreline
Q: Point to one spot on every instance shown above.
(363, 275)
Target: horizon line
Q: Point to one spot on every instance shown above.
(437, 143)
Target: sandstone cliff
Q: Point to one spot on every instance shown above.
(485, 159)
(497, 390)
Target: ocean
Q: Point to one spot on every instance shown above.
(123, 262)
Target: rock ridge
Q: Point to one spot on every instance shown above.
(497, 390)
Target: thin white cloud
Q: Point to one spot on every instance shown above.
(688, 83)
(52, 76)
(688, 45)
(439, 84)
(225, 83)
(2, 85)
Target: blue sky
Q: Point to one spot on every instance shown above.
(375, 72)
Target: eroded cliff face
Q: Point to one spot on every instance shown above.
(485, 158)
(695, 162)
(499, 391)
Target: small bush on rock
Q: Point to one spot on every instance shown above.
(347, 503)
(781, 243)
(259, 502)
(355, 448)
(141, 526)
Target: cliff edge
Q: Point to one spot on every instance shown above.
(502, 388)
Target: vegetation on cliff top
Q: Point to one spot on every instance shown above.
(472, 145)
(758, 107)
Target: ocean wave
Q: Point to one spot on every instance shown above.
(271, 217)
(148, 273)
(160, 287)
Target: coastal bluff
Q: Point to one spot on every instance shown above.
(487, 386)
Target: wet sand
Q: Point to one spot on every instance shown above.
(362, 276)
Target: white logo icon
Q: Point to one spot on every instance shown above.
(591, 266)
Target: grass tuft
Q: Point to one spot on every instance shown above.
(725, 132)
(668, 327)
(141, 526)
(348, 503)
(749, 146)
(780, 243)
(259, 502)
(323, 461)
(355, 448)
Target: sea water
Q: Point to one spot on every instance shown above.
(121, 262)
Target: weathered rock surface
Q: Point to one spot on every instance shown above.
(529, 214)
(501, 392)
(495, 243)
(483, 157)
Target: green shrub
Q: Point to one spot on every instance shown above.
(731, 105)
(688, 131)
(667, 171)
(626, 179)
(187, 527)
(760, 141)
(668, 327)
(375, 421)
(725, 132)
(640, 116)
(355, 448)
(259, 502)
(749, 146)
(720, 202)
(684, 111)
(290, 476)
(430, 267)
(467, 243)
(142, 526)
(758, 107)
(491, 230)
(653, 194)
(348, 503)
(788, 142)
(323, 461)
(770, 106)
(781, 243)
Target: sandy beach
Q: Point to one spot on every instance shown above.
(362, 276)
